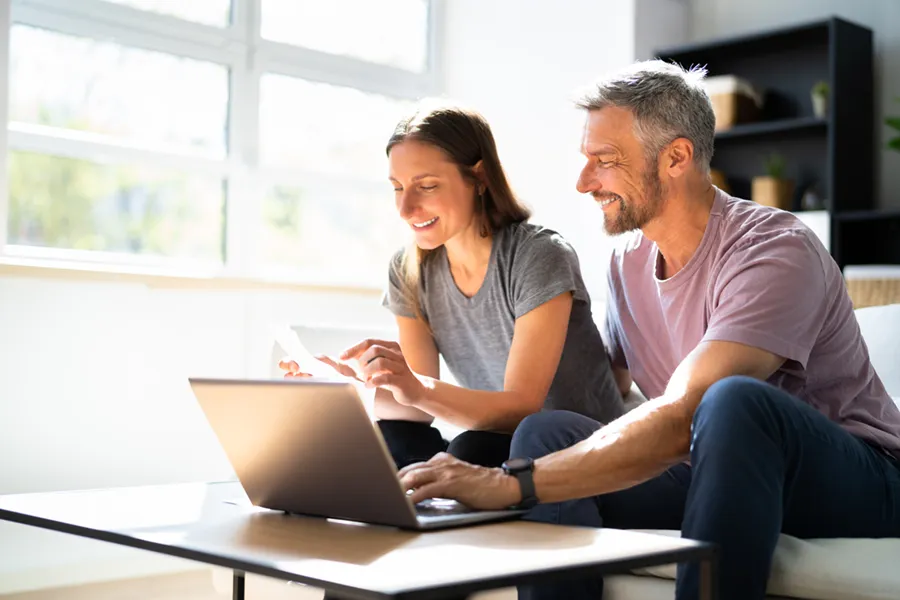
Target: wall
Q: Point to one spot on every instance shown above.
(520, 64)
(93, 389)
(717, 18)
(94, 393)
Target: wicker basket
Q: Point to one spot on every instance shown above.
(873, 286)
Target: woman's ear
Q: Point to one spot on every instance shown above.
(478, 171)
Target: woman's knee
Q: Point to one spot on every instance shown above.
(549, 431)
(485, 448)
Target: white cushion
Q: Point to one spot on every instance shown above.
(825, 569)
(880, 327)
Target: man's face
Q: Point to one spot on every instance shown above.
(617, 174)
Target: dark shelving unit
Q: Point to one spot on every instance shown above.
(776, 126)
(835, 155)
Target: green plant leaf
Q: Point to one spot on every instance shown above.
(893, 122)
(894, 144)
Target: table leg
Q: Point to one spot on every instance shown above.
(237, 586)
(709, 580)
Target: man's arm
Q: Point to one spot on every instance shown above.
(652, 437)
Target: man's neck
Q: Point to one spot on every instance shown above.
(679, 228)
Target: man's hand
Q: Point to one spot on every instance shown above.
(447, 477)
(381, 364)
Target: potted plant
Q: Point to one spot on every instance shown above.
(894, 123)
(773, 189)
(819, 95)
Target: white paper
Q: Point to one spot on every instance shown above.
(297, 352)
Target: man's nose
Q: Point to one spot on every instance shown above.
(586, 181)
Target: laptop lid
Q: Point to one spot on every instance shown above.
(305, 446)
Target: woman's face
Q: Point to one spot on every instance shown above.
(431, 194)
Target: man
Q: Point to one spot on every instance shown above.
(765, 416)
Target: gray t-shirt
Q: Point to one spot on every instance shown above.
(529, 265)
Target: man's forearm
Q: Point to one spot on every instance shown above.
(473, 409)
(632, 449)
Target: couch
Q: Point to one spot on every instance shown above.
(818, 569)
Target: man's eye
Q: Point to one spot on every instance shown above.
(606, 163)
(428, 188)
(398, 189)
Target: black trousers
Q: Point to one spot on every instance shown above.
(410, 442)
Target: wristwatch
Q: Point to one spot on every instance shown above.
(523, 470)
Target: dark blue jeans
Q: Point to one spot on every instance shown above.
(763, 462)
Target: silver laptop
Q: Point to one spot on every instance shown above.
(309, 447)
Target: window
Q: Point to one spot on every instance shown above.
(70, 82)
(390, 32)
(185, 137)
(209, 12)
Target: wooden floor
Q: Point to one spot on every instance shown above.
(202, 584)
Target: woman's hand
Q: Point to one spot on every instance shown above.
(381, 365)
(292, 369)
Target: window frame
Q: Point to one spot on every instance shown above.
(241, 49)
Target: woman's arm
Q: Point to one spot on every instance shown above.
(538, 339)
(417, 345)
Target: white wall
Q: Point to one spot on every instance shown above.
(520, 62)
(717, 18)
(93, 388)
(94, 393)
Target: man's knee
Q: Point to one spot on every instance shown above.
(734, 404)
(546, 432)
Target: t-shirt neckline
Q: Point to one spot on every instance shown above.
(455, 293)
(706, 243)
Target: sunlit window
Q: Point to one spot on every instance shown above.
(390, 32)
(208, 12)
(190, 137)
(148, 98)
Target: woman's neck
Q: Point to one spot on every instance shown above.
(469, 255)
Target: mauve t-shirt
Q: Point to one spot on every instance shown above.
(759, 277)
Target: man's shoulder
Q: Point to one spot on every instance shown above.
(630, 249)
(751, 227)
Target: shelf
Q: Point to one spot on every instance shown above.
(867, 215)
(797, 125)
(751, 42)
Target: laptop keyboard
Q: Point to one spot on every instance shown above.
(439, 507)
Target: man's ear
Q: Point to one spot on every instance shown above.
(678, 156)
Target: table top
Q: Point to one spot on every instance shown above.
(215, 524)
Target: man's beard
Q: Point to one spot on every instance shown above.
(631, 216)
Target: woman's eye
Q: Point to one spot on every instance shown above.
(428, 188)
(398, 189)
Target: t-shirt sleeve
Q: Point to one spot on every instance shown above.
(612, 322)
(395, 297)
(546, 266)
(770, 294)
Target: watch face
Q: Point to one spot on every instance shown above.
(518, 464)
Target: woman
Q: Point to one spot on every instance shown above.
(501, 300)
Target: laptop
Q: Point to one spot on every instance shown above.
(309, 447)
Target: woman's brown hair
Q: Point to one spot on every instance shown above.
(465, 137)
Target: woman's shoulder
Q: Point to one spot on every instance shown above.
(531, 239)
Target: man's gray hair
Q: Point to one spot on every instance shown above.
(667, 102)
